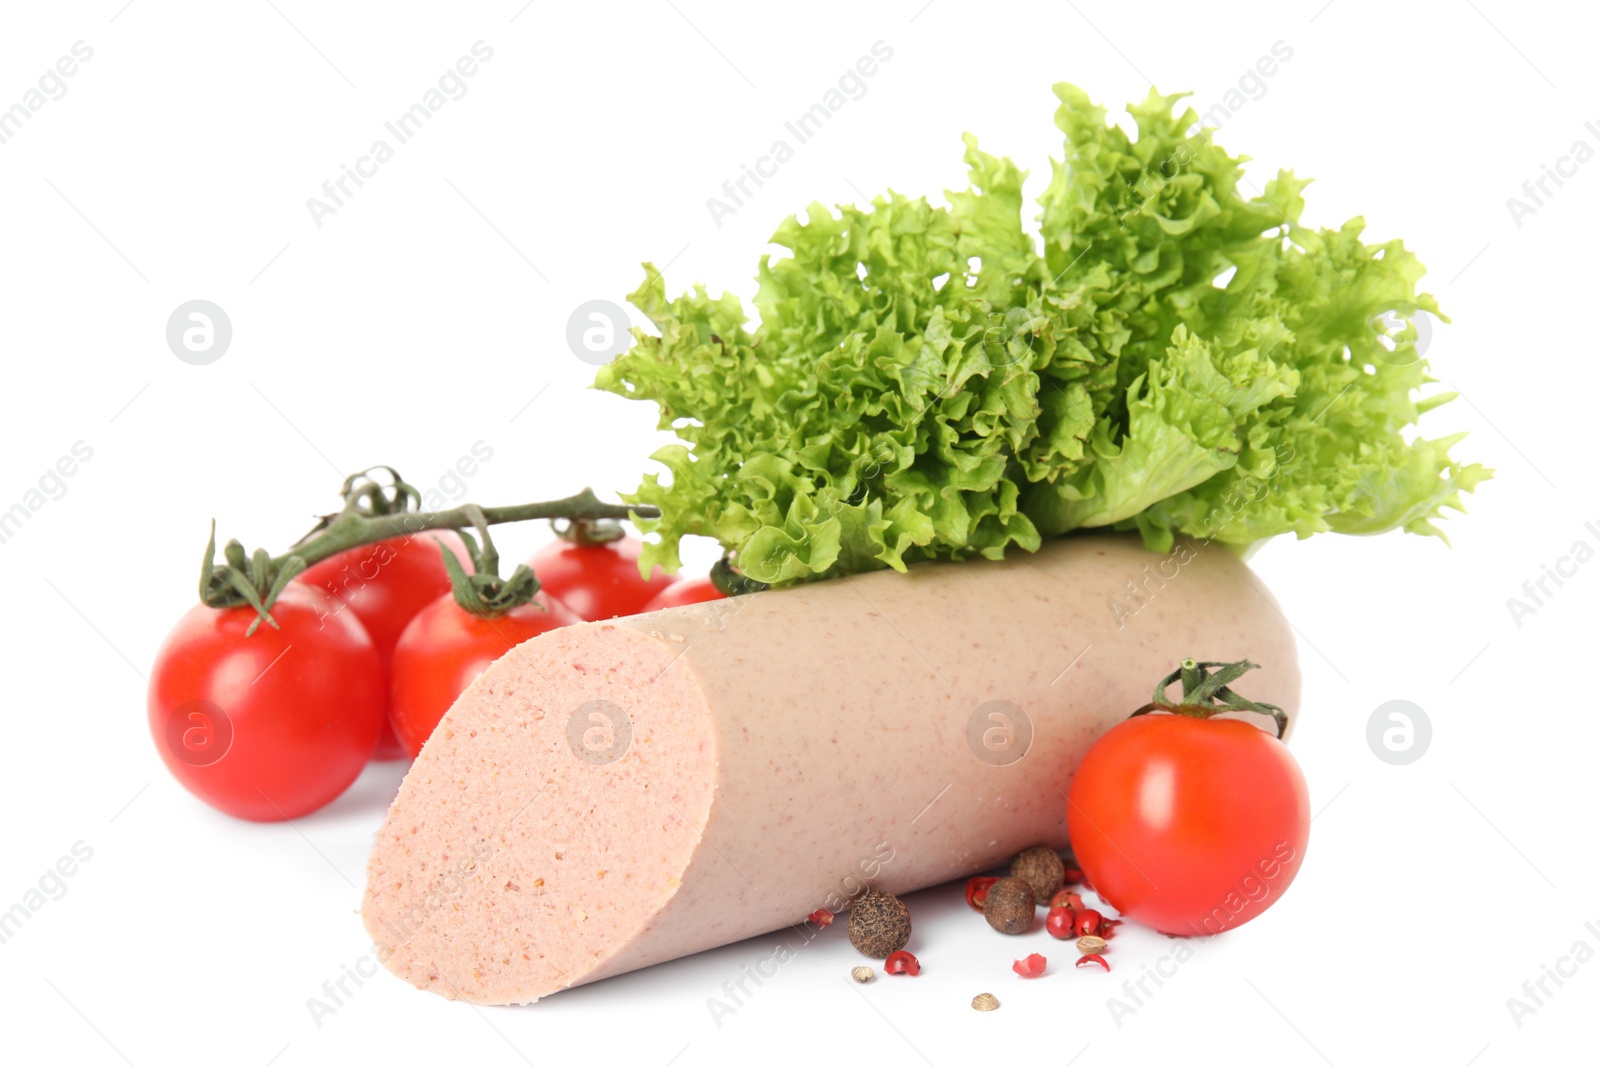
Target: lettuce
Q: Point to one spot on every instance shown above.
(1171, 356)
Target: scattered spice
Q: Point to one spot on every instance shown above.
(863, 974)
(1090, 945)
(879, 924)
(822, 917)
(1074, 876)
(985, 1002)
(1068, 898)
(1009, 905)
(1032, 967)
(902, 962)
(977, 889)
(1088, 922)
(1061, 923)
(1041, 868)
(1093, 958)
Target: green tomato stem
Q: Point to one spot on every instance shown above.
(259, 579)
(729, 582)
(1206, 693)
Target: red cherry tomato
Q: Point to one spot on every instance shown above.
(385, 585)
(687, 591)
(1187, 825)
(274, 725)
(445, 647)
(597, 580)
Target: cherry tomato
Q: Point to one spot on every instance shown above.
(385, 585)
(597, 580)
(445, 647)
(1190, 826)
(274, 725)
(687, 591)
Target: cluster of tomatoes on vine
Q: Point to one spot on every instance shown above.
(270, 695)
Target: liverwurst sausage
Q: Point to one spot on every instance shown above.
(614, 794)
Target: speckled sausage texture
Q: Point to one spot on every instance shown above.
(615, 794)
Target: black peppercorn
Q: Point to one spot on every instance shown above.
(1042, 869)
(1009, 906)
(879, 924)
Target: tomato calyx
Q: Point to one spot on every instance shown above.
(376, 511)
(237, 581)
(483, 592)
(1206, 693)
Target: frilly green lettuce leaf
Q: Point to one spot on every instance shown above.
(1172, 355)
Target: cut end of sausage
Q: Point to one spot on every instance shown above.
(548, 820)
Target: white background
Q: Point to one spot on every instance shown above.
(430, 312)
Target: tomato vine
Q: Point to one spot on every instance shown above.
(375, 511)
